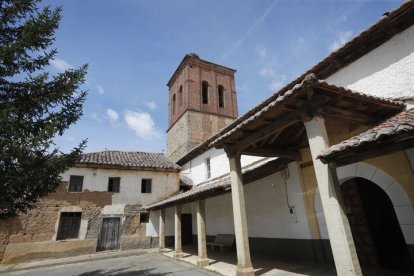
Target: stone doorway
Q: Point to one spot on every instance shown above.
(377, 235)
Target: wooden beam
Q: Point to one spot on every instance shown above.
(272, 152)
(277, 125)
(349, 115)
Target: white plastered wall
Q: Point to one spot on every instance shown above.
(268, 214)
(397, 195)
(219, 164)
(387, 71)
(164, 184)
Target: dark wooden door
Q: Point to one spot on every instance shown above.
(186, 229)
(109, 236)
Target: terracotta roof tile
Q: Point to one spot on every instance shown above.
(134, 159)
(396, 125)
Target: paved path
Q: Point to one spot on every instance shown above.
(144, 264)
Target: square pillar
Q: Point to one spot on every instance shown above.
(177, 237)
(201, 234)
(340, 236)
(244, 264)
(161, 236)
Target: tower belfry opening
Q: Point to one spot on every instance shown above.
(206, 104)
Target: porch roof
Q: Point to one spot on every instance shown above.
(394, 134)
(275, 127)
(221, 185)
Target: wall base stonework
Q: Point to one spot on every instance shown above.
(135, 242)
(32, 251)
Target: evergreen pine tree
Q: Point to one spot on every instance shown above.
(35, 106)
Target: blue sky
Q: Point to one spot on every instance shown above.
(133, 47)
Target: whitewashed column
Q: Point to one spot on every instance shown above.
(244, 264)
(201, 234)
(161, 236)
(340, 236)
(177, 238)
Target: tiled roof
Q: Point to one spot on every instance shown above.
(129, 159)
(221, 184)
(402, 123)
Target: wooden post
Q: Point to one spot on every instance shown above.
(340, 236)
(244, 264)
(177, 238)
(162, 230)
(201, 234)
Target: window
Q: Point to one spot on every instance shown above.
(173, 104)
(69, 225)
(75, 183)
(204, 92)
(220, 91)
(180, 96)
(208, 168)
(113, 184)
(146, 186)
(143, 217)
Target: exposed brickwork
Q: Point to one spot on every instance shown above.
(190, 121)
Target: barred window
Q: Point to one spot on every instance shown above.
(75, 183)
(113, 184)
(146, 185)
(69, 225)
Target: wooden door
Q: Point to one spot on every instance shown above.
(109, 236)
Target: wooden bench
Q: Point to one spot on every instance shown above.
(224, 241)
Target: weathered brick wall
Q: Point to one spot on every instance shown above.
(192, 129)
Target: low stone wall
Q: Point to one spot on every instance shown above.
(32, 251)
(135, 242)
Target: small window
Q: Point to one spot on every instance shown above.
(146, 186)
(69, 225)
(204, 92)
(180, 96)
(75, 183)
(143, 217)
(220, 91)
(173, 104)
(208, 168)
(113, 184)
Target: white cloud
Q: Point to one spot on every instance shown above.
(277, 82)
(257, 23)
(341, 39)
(267, 71)
(261, 51)
(100, 89)
(112, 115)
(60, 64)
(142, 124)
(151, 105)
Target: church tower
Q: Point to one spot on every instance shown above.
(202, 101)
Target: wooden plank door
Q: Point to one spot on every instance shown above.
(109, 236)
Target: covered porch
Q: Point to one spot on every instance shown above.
(291, 128)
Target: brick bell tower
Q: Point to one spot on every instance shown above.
(202, 101)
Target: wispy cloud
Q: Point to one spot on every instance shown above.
(341, 38)
(100, 89)
(60, 64)
(248, 32)
(151, 105)
(142, 124)
(112, 115)
(267, 69)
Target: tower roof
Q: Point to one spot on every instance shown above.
(194, 57)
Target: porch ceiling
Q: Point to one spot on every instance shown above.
(277, 129)
(394, 134)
